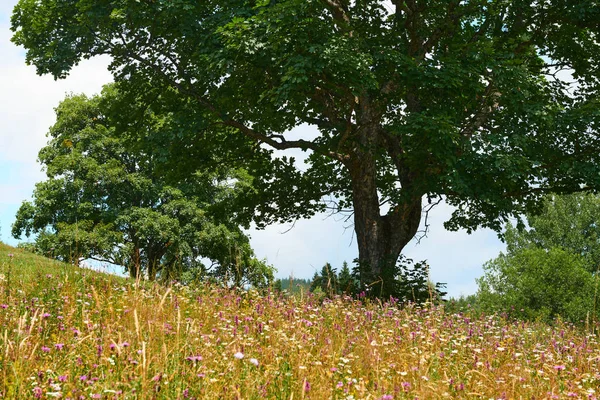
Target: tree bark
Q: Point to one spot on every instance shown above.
(380, 238)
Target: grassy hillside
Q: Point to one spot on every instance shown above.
(77, 334)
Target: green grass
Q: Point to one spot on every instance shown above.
(77, 334)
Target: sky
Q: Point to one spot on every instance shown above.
(27, 104)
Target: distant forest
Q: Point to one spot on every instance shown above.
(293, 285)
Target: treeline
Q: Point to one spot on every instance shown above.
(408, 282)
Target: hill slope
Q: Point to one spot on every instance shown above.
(73, 333)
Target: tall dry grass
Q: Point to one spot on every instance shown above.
(72, 333)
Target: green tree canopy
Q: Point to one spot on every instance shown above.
(104, 200)
(462, 100)
(551, 268)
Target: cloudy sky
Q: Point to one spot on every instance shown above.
(26, 111)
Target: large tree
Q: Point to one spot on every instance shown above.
(104, 199)
(461, 100)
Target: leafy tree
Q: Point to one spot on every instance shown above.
(104, 200)
(536, 283)
(413, 100)
(550, 269)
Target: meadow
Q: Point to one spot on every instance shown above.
(72, 333)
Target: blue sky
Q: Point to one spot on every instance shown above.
(26, 113)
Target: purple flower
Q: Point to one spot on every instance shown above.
(11, 255)
(45, 349)
(37, 392)
(83, 378)
(239, 355)
(46, 315)
(4, 306)
(59, 346)
(254, 361)
(125, 344)
(194, 358)
(157, 377)
(559, 367)
(386, 397)
(306, 386)
(62, 378)
(96, 396)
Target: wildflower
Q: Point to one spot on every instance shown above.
(157, 377)
(45, 349)
(59, 346)
(386, 397)
(559, 367)
(11, 255)
(37, 392)
(62, 378)
(306, 386)
(239, 355)
(406, 386)
(194, 358)
(125, 344)
(83, 378)
(96, 396)
(254, 361)
(46, 315)
(5, 306)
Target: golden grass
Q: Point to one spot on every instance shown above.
(72, 333)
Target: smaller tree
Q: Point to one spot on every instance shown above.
(346, 282)
(535, 283)
(549, 269)
(105, 199)
(326, 281)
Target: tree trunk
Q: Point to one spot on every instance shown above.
(380, 238)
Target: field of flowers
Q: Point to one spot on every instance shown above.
(76, 334)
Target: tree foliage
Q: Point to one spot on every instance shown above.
(105, 200)
(463, 100)
(550, 269)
